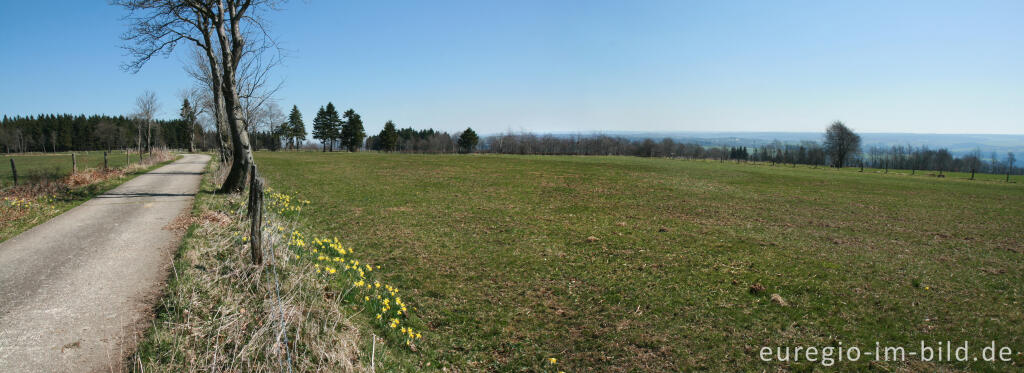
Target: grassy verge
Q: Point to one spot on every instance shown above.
(26, 206)
(626, 264)
(223, 313)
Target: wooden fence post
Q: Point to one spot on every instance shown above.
(127, 157)
(13, 171)
(74, 163)
(104, 161)
(255, 217)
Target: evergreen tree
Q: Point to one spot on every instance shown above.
(352, 133)
(388, 137)
(334, 124)
(321, 128)
(188, 117)
(296, 129)
(468, 141)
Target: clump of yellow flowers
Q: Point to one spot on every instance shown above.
(283, 204)
(20, 206)
(15, 202)
(330, 258)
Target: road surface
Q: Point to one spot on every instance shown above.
(76, 291)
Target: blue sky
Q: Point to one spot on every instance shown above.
(577, 66)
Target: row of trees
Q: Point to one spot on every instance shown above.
(840, 148)
(923, 158)
(331, 129)
(66, 132)
(409, 140)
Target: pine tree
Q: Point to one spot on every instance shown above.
(352, 133)
(321, 128)
(468, 141)
(296, 129)
(188, 116)
(388, 137)
(333, 123)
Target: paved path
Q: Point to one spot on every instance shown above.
(76, 291)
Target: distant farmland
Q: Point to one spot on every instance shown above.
(624, 263)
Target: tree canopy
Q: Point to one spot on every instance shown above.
(468, 141)
(352, 133)
(841, 143)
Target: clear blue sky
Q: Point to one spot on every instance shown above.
(581, 66)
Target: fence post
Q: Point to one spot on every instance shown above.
(13, 171)
(127, 157)
(74, 163)
(104, 161)
(255, 217)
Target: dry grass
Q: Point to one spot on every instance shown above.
(223, 314)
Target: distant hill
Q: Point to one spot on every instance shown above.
(957, 144)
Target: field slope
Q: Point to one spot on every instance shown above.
(624, 264)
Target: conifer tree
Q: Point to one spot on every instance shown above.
(352, 133)
(388, 137)
(189, 117)
(296, 129)
(321, 128)
(468, 141)
(333, 124)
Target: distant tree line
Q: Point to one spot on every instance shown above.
(923, 158)
(805, 153)
(66, 132)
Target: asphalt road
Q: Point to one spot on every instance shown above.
(76, 291)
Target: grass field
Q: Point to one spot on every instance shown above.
(52, 166)
(632, 264)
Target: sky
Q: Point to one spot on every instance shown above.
(572, 66)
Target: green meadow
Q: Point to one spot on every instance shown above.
(33, 167)
(637, 264)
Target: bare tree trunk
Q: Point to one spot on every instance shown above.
(191, 137)
(218, 98)
(241, 152)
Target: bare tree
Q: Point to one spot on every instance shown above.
(211, 97)
(221, 30)
(973, 160)
(255, 93)
(841, 143)
(145, 110)
(108, 134)
(1010, 158)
